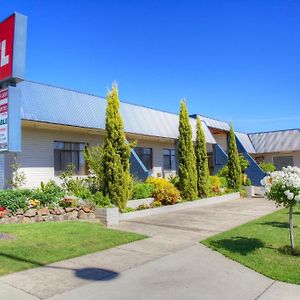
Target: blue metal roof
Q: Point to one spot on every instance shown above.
(45, 103)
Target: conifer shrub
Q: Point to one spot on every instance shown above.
(187, 172)
(117, 180)
(234, 167)
(201, 162)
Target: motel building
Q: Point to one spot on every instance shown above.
(46, 128)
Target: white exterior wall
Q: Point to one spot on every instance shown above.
(268, 157)
(157, 159)
(221, 139)
(37, 156)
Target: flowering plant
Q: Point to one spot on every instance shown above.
(2, 212)
(32, 203)
(283, 187)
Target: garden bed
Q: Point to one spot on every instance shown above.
(178, 206)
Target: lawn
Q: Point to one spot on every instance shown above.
(258, 244)
(38, 244)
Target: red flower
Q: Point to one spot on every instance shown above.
(2, 208)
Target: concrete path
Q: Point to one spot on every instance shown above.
(169, 264)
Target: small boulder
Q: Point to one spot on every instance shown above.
(19, 211)
(69, 209)
(86, 209)
(43, 211)
(72, 215)
(30, 213)
(82, 215)
(91, 216)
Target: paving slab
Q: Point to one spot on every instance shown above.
(281, 291)
(193, 273)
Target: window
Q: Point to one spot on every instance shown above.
(65, 154)
(169, 159)
(283, 161)
(145, 155)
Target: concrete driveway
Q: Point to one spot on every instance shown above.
(171, 264)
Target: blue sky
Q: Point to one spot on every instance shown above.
(237, 60)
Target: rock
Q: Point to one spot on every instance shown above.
(19, 211)
(58, 218)
(43, 211)
(86, 209)
(20, 218)
(30, 213)
(91, 216)
(7, 213)
(27, 220)
(69, 209)
(38, 218)
(71, 215)
(13, 219)
(82, 215)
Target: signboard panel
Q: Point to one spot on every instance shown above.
(4, 120)
(13, 32)
(10, 120)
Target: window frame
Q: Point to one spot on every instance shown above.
(71, 151)
(170, 155)
(138, 150)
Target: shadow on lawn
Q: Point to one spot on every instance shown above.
(96, 274)
(239, 244)
(278, 224)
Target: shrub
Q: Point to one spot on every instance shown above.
(201, 161)
(224, 183)
(174, 179)
(48, 193)
(69, 201)
(143, 206)
(246, 180)
(234, 165)
(164, 191)
(142, 190)
(14, 199)
(100, 200)
(215, 184)
(267, 167)
(186, 157)
(155, 203)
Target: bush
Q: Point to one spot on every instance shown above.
(100, 200)
(14, 199)
(164, 191)
(142, 190)
(215, 184)
(246, 180)
(69, 201)
(224, 183)
(48, 193)
(174, 179)
(267, 167)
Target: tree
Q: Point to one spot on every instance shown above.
(234, 166)
(283, 188)
(186, 157)
(201, 161)
(116, 153)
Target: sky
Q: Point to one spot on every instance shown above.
(233, 60)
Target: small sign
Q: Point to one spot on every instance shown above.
(4, 120)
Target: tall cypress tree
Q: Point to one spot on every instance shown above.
(186, 157)
(234, 166)
(201, 162)
(116, 154)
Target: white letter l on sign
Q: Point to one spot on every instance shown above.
(4, 59)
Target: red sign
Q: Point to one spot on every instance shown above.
(7, 29)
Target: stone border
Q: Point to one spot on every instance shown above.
(136, 203)
(179, 206)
